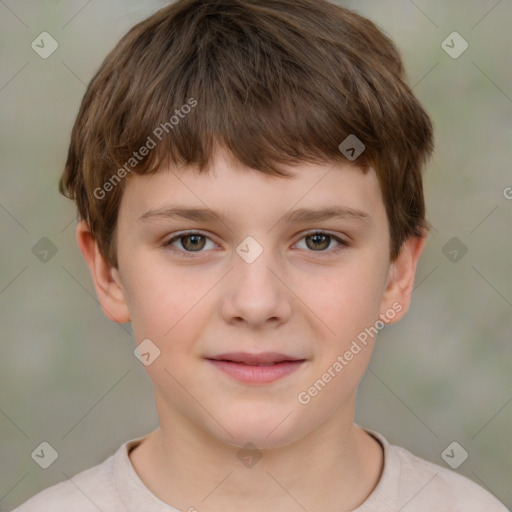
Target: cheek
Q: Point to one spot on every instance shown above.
(170, 310)
(163, 302)
(346, 299)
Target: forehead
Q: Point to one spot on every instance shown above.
(243, 193)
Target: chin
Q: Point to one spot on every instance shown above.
(264, 427)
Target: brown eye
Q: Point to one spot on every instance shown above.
(318, 241)
(193, 242)
(189, 243)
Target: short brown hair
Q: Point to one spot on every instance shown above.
(273, 81)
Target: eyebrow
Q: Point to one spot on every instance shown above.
(299, 215)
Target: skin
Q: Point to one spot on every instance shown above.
(298, 299)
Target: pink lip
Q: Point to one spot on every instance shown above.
(244, 366)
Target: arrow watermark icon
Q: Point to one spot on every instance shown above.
(249, 250)
(146, 352)
(45, 455)
(352, 147)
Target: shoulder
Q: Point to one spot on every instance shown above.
(429, 485)
(412, 484)
(88, 491)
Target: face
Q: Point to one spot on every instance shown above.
(262, 310)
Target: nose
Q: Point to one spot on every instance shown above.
(256, 293)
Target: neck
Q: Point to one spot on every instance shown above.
(334, 468)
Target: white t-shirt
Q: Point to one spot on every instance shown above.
(407, 484)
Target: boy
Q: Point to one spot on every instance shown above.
(248, 179)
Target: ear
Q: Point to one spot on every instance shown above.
(400, 281)
(106, 279)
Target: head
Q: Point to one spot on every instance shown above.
(239, 108)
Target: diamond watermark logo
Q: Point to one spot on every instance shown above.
(454, 45)
(44, 250)
(45, 455)
(352, 147)
(44, 45)
(454, 250)
(249, 455)
(146, 352)
(454, 455)
(249, 250)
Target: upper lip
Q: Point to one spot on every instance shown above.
(254, 359)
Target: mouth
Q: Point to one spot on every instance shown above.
(262, 368)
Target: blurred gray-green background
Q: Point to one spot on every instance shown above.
(443, 374)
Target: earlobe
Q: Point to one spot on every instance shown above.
(400, 282)
(107, 283)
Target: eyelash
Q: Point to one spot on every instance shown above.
(191, 254)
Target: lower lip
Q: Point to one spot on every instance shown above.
(257, 374)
